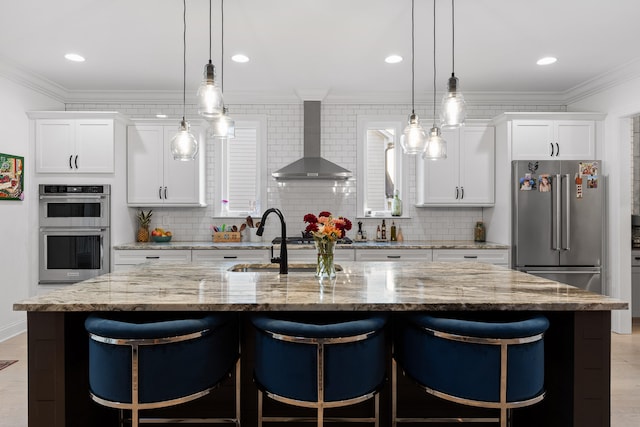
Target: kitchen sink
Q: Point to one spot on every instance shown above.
(275, 268)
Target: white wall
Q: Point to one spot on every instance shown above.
(18, 218)
(620, 103)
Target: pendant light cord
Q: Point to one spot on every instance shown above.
(222, 50)
(434, 63)
(412, 59)
(184, 58)
(453, 39)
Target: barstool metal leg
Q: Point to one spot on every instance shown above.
(238, 392)
(394, 392)
(260, 397)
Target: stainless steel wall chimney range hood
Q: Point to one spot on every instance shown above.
(311, 165)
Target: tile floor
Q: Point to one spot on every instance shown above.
(625, 380)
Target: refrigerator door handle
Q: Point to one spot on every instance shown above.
(559, 272)
(555, 226)
(567, 216)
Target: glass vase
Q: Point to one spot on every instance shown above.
(325, 267)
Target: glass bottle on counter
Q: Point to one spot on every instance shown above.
(383, 231)
(396, 205)
(479, 232)
(378, 233)
(393, 231)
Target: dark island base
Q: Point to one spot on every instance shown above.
(577, 380)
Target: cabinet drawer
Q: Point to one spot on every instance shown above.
(490, 256)
(310, 255)
(635, 258)
(132, 257)
(239, 255)
(393, 255)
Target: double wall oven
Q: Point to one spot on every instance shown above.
(74, 232)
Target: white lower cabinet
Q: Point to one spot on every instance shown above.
(311, 256)
(393, 254)
(241, 256)
(126, 259)
(489, 256)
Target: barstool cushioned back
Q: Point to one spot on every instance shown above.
(470, 370)
(167, 371)
(290, 369)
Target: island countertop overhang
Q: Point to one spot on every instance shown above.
(361, 286)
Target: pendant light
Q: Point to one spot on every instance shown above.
(183, 145)
(453, 111)
(209, 94)
(414, 139)
(223, 126)
(436, 145)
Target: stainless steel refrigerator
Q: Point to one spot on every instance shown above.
(558, 221)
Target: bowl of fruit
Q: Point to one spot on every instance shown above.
(160, 235)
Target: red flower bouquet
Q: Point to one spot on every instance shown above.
(326, 227)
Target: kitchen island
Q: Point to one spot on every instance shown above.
(577, 354)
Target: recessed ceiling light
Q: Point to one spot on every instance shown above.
(240, 58)
(161, 116)
(74, 57)
(547, 60)
(393, 59)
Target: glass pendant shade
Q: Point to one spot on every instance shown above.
(414, 138)
(209, 95)
(453, 111)
(436, 146)
(184, 145)
(223, 126)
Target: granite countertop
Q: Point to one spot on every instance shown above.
(364, 286)
(417, 244)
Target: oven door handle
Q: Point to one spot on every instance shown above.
(68, 197)
(73, 230)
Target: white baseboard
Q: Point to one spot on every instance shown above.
(13, 329)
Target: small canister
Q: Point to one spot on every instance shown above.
(479, 232)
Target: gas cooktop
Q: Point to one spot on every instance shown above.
(303, 240)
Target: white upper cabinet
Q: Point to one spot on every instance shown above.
(66, 144)
(466, 176)
(553, 139)
(154, 178)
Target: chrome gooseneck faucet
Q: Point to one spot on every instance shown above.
(283, 259)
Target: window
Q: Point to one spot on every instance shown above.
(381, 168)
(240, 168)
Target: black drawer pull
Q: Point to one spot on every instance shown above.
(230, 257)
(152, 257)
(471, 256)
(394, 256)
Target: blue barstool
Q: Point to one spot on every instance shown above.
(488, 364)
(315, 362)
(141, 361)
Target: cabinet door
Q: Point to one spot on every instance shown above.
(94, 146)
(145, 156)
(477, 165)
(181, 179)
(55, 145)
(576, 139)
(532, 139)
(438, 179)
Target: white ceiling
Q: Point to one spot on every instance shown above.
(337, 46)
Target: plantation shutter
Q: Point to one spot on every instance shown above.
(242, 167)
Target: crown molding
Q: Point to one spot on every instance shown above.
(32, 81)
(604, 81)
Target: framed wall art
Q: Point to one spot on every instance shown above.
(11, 177)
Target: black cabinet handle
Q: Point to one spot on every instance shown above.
(551, 144)
(230, 257)
(159, 192)
(457, 193)
(462, 190)
(165, 193)
(76, 161)
(152, 257)
(557, 149)
(394, 256)
(70, 167)
(471, 256)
